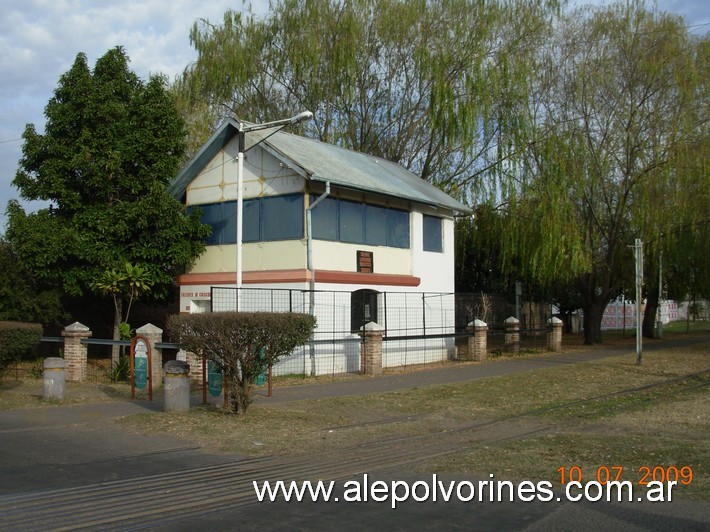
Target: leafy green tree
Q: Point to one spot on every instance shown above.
(686, 265)
(127, 283)
(618, 102)
(22, 299)
(111, 145)
(429, 85)
(479, 260)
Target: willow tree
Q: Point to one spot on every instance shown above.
(619, 100)
(429, 85)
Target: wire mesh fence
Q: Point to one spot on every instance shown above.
(418, 327)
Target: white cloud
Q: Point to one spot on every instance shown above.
(40, 39)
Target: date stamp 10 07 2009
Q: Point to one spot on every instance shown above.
(643, 474)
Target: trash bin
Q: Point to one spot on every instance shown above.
(54, 378)
(177, 386)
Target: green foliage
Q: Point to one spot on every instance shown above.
(16, 340)
(126, 333)
(242, 344)
(429, 85)
(129, 282)
(120, 370)
(132, 280)
(112, 144)
(37, 368)
(618, 101)
(479, 261)
(21, 297)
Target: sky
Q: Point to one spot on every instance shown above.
(39, 40)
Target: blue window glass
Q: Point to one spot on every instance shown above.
(397, 228)
(252, 221)
(324, 219)
(282, 217)
(375, 225)
(212, 216)
(351, 222)
(219, 217)
(433, 240)
(228, 227)
(270, 218)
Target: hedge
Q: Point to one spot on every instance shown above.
(242, 344)
(16, 339)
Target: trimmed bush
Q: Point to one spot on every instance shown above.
(242, 344)
(16, 339)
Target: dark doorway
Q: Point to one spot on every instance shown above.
(363, 308)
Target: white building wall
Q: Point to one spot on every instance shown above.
(264, 175)
(404, 311)
(435, 269)
(341, 256)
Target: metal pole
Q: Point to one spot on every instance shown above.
(639, 282)
(241, 135)
(240, 212)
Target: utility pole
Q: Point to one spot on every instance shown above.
(638, 254)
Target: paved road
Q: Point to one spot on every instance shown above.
(70, 467)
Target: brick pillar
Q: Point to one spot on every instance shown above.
(75, 351)
(478, 341)
(554, 336)
(371, 353)
(154, 335)
(195, 365)
(512, 335)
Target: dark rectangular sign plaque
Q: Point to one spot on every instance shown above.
(365, 262)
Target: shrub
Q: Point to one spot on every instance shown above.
(243, 344)
(120, 370)
(16, 339)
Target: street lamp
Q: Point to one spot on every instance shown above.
(269, 128)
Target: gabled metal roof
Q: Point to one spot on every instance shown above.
(327, 163)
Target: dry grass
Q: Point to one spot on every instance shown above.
(28, 393)
(665, 425)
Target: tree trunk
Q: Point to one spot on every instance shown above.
(593, 313)
(116, 349)
(244, 389)
(649, 316)
(593, 305)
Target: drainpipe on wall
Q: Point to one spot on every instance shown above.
(311, 268)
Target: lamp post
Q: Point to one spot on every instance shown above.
(243, 129)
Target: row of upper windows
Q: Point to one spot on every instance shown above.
(360, 223)
(281, 218)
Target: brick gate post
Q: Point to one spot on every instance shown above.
(554, 336)
(512, 334)
(478, 342)
(371, 355)
(74, 351)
